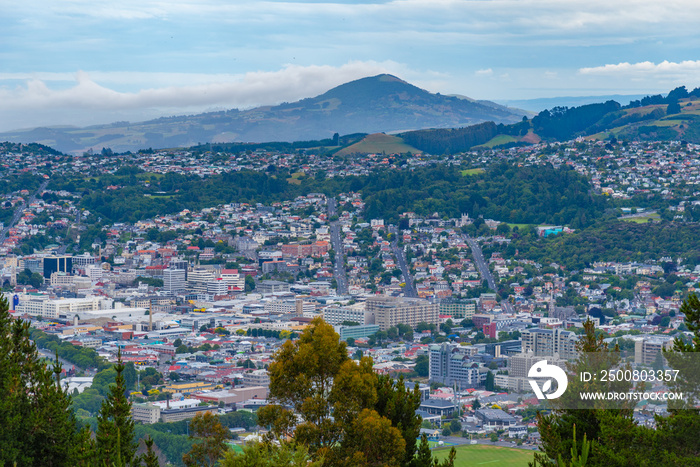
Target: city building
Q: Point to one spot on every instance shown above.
(57, 264)
(458, 309)
(145, 413)
(270, 287)
(550, 342)
(451, 364)
(390, 311)
(296, 306)
(357, 313)
(198, 278)
(256, 378)
(495, 419)
(356, 332)
(647, 348)
(174, 280)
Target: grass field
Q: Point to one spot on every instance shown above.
(642, 219)
(295, 178)
(519, 226)
(469, 455)
(471, 172)
(497, 141)
(668, 122)
(379, 143)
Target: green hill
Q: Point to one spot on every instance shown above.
(379, 143)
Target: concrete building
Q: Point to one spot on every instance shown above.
(438, 407)
(646, 349)
(235, 395)
(256, 378)
(297, 306)
(451, 364)
(197, 279)
(458, 309)
(145, 413)
(174, 280)
(188, 388)
(217, 287)
(495, 419)
(176, 415)
(518, 368)
(358, 313)
(42, 305)
(233, 278)
(390, 311)
(270, 287)
(356, 332)
(550, 342)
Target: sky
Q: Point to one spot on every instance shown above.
(79, 62)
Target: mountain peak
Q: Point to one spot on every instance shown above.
(381, 103)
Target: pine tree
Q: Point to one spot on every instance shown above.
(150, 459)
(557, 429)
(115, 427)
(37, 427)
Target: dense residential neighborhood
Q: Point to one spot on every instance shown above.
(199, 301)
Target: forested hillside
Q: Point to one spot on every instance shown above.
(613, 241)
(537, 194)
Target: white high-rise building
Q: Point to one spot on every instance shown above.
(174, 280)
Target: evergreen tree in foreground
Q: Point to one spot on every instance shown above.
(115, 427)
(38, 427)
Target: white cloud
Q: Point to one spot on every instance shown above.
(485, 72)
(665, 69)
(255, 88)
(36, 100)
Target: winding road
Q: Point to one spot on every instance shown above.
(337, 245)
(409, 290)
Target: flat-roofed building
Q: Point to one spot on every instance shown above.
(145, 413)
(188, 388)
(458, 309)
(176, 415)
(646, 349)
(390, 311)
(356, 332)
(256, 378)
(357, 313)
(451, 364)
(174, 280)
(550, 342)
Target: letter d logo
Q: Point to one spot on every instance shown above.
(542, 370)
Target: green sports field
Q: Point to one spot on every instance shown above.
(471, 455)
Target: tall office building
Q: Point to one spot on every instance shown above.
(57, 264)
(197, 279)
(550, 343)
(646, 349)
(174, 280)
(451, 364)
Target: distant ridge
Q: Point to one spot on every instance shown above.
(382, 103)
(539, 104)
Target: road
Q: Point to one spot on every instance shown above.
(484, 270)
(20, 210)
(409, 290)
(66, 365)
(337, 245)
